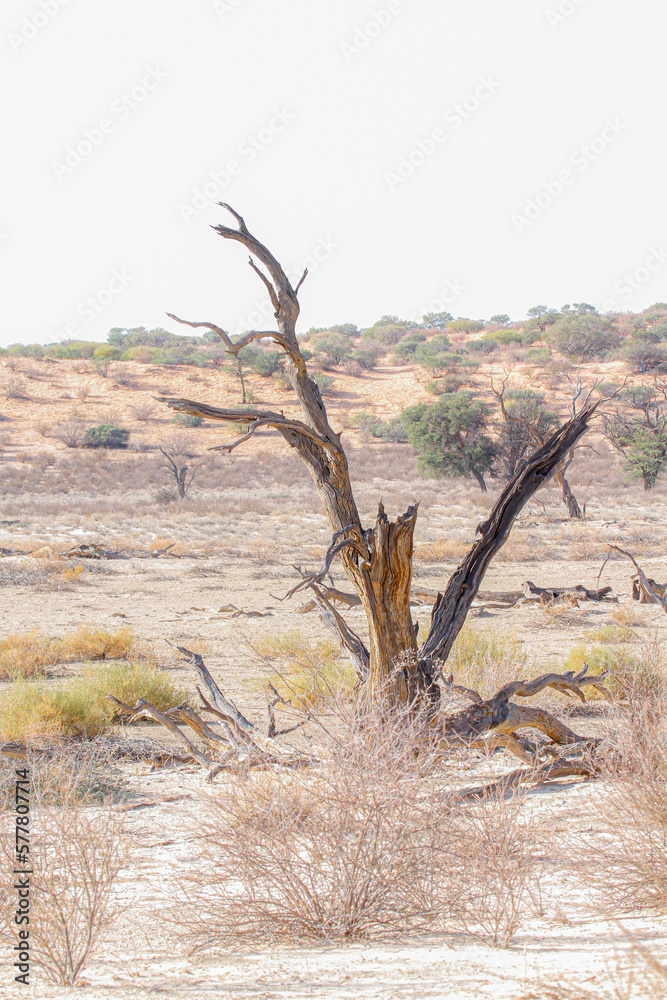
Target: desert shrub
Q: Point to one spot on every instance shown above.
(584, 336)
(450, 383)
(539, 354)
(630, 869)
(484, 345)
(332, 348)
(23, 654)
(325, 383)
(143, 410)
(187, 420)
(141, 353)
(405, 348)
(508, 337)
(106, 436)
(75, 857)
(89, 642)
(72, 772)
(388, 430)
(627, 672)
(463, 325)
(15, 387)
(364, 844)
(43, 573)
(644, 355)
(483, 659)
(32, 710)
(388, 331)
(367, 355)
(267, 363)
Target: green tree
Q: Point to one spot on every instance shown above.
(643, 354)
(525, 411)
(449, 437)
(464, 325)
(500, 319)
(438, 321)
(638, 432)
(332, 348)
(584, 336)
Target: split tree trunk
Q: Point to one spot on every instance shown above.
(378, 560)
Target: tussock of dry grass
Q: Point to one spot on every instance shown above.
(443, 550)
(484, 660)
(308, 672)
(24, 654)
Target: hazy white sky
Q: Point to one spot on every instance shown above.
(478, 156)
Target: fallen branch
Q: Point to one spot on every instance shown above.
(651, 595)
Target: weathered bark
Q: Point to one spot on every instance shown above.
(378, 560)
(451, 608)
(573, 509)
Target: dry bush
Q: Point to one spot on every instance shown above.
(75, 856)
(484, 660)
(43, 572)
(72, 772)
(365, 843)
(43, 428)
(71, 431)
(307, 672)
(83, 392)
(89, 642)
(627, 614)
(142, 410)
(627, 672)
(444, 550)
(264, 550)
(23, 654)
(30, 710)
(15, 387)
(630, 858)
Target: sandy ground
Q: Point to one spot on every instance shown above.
(235, 546)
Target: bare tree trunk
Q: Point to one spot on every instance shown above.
(378, 560)
(569, 499)
(480, 481)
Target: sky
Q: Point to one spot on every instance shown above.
(473, 156)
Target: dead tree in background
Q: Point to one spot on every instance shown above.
(378, 558)
(538, 435)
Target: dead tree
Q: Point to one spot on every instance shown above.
(174, 462)
(537, 436)
(378, 558)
